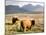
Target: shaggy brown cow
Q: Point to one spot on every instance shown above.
(16, 22)
(26, 23)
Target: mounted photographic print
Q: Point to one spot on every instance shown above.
(24, 17)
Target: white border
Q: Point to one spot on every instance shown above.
(2, 13)
(2, 20)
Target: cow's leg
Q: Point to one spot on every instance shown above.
(25, 29)
(22, 27)
(30, 27)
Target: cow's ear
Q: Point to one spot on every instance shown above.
(33, 22)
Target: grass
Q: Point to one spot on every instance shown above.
(38, 27)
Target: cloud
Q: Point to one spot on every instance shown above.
(22, 3)
(13, 2)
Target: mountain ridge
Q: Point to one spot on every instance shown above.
(26, 8)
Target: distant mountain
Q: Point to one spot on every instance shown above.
(31, 8)
(28, 7)
(38, 8)
(25, 9)
(13, 9)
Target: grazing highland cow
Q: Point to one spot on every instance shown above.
(16, 22)
(26, 24)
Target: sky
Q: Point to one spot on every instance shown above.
(21, 4)
(26, 0)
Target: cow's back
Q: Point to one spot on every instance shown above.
(27, 23)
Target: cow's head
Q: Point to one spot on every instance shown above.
(14, 20)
